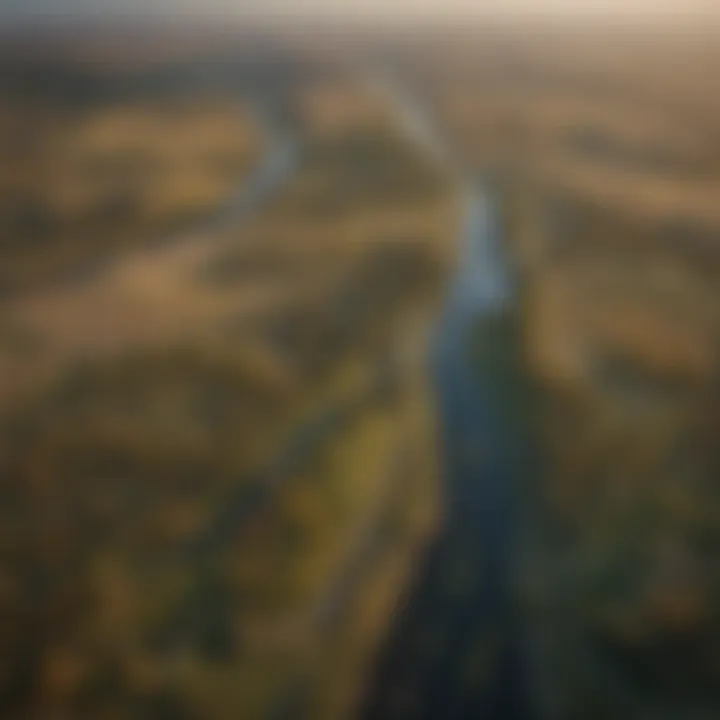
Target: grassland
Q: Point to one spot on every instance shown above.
(83, 180)
(217, 457)
(604, 146)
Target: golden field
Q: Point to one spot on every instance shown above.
(603, 148)
(217, 454)
(80, 181)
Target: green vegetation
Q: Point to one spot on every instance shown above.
(217, 458)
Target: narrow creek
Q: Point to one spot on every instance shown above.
(456, 650)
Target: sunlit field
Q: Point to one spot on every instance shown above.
(355, 373)
(605, 152)
(216, 457)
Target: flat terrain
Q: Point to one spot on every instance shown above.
(218, 451)
(83, 180)
(603, 147)
(218, 448)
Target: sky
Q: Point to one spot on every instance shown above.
(23, 9)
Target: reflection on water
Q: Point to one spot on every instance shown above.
(458, 648)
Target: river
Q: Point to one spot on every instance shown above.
(457, 647)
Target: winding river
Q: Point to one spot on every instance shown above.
(457, 647)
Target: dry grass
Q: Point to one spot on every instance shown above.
(261, 369)
(605, 147)
(79, 184)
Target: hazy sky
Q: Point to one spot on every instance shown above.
(240, 8)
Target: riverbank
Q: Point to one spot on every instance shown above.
(458, 647)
